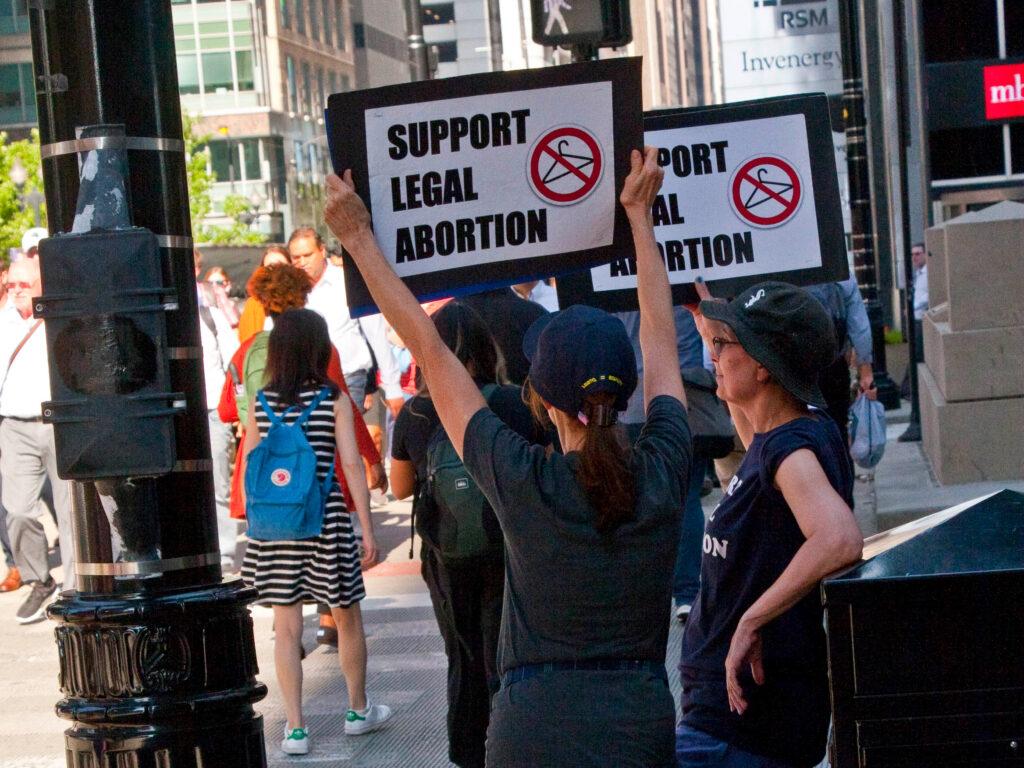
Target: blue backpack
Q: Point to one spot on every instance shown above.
(284, 500)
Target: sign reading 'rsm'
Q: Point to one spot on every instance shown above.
(1004, 91)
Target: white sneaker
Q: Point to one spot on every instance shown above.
(683, 612)
(370, 719)
(295, 742)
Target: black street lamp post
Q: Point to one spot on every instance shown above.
(865, 265)
(157, 659)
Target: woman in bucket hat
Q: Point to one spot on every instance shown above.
(590, 535)
(755, 685)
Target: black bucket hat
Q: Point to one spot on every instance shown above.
(786, 330)
(579, 351)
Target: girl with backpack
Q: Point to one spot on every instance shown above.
(465, 577)
(321, 568)
(591, 535)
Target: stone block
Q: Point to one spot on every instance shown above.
(984, 268)
(974, 441)
(974, 365)
(935, 244)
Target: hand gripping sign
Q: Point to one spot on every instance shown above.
(487, 180)
(750, 194)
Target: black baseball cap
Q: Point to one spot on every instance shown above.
(786, 330)
(579, 351)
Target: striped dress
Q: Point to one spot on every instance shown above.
(324, 569)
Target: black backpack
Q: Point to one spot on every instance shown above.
(450, 512)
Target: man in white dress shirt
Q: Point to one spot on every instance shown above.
(352, 338)
(27, 454)
(540, 292)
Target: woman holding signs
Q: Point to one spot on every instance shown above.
(754, 674)
(590, 535)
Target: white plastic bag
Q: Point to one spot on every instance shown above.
(867, 431)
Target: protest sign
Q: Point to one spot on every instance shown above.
(486, 180)
(750, 194)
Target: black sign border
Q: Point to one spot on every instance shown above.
(578, 288)
(346, 133)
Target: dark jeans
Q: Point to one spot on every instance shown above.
(695, 748)
(686, 579)
(467, 602)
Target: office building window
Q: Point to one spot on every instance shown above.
(307, 89)
(340, 38)
(326, 5)
(314, 20)
(300, 17)
(442, 13)
(293, 88)
(13, 18)
(332, 81)
(321, 95)
(17, 94)
(235, 160)
(446, 52)
(957, 31)
(286, 20)
(962, 153)
(215, 49)
(346, 84)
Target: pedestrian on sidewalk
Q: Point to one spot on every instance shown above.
(753, 667)
(467, 593)
(326, 568)
(27, 451)
(590, 536)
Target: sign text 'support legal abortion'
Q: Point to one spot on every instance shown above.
(481, 187)
(750, 194)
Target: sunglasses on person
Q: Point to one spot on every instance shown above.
(718, 344)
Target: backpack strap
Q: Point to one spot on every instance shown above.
(320, 397)
(267, 409)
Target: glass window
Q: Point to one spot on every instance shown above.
(212, 28)
(332, 80)
(447, 52)
(314, 21)
(321, 94)
(13, 19)
(439, 14)
(962, 153)
(346, 84)
(243, 62)
(251, 156)
(188, 74)
(958, 31)
(1013, 11)
(286, 20)
(300, 17)
(185, 44)
(307, 89)
(221, 164)
(1017, 147)
(217, 72)
(10, 94)
(326, 5)
(339, 26)
(293, 91)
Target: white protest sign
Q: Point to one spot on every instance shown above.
(750, 193)
(487, 179)
(481, 182)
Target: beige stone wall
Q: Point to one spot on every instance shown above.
(972, 381)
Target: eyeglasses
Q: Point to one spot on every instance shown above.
(718, 343)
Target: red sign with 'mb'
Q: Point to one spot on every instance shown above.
(1004, 91)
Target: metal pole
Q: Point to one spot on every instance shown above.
(861, 223)
(419, 64)
(157, 659)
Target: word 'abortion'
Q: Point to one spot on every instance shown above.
(701, 252)
(456, 185)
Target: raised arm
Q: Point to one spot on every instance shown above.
(454, 393)
(657, 323)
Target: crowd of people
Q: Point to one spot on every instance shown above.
(580, 534)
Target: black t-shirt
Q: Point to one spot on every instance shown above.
(507, 316)
(750, 539)
(571, 593)
(418, 420)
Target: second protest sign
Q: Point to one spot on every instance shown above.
(750, 194)
(487, 179)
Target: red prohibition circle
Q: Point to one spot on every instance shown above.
(789, 206)
(543, 148)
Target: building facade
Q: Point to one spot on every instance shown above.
(17, 94)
